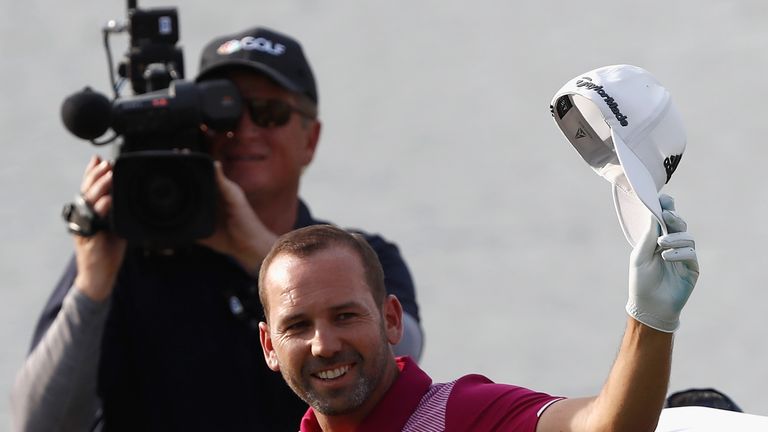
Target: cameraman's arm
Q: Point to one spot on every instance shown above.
(100, 256)
(56, 387)
(57, 384)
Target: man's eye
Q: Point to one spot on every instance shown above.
(346, 316)
(297, 326)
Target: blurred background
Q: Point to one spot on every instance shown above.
(437, 134)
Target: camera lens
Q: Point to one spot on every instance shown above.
(163, 199)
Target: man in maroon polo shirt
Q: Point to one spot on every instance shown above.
(330, 326)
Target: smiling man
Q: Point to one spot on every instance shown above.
(332, 319)
(330, 328)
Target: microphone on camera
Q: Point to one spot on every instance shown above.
(87, 114)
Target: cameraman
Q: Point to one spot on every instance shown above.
(136, 340)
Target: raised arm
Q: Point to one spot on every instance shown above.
(660, 282)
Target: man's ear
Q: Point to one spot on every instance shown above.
(270, 356)
(313, 137)
(393, 319)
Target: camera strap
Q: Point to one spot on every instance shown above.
(81, 218)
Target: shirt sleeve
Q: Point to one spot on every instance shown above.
(55, 389)
(478, 404)
(53, 305)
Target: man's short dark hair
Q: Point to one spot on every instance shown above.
(307, 241)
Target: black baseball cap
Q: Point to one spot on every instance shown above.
(274, 54)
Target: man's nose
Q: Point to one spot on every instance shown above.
(326, 341)
(245, 124)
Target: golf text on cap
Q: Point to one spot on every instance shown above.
(587, 82)
(250, 43)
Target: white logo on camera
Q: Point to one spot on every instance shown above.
(250, 43)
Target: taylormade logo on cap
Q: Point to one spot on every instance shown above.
(250, 43)
(587, 82)
(639, 157)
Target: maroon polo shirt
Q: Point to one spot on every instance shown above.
(471, 403)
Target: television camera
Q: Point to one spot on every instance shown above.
(164, 191)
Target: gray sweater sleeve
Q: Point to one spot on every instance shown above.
(55, 390)
(412, 342)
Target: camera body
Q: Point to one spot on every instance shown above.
(163, 191)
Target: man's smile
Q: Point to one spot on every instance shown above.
(333, 374)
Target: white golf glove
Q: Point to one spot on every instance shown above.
(661, 280)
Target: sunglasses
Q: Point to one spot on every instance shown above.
(272, 113)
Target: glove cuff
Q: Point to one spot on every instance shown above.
(651, 320)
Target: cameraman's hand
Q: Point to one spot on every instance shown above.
(660, 281)
(98, 257)
(239, 231)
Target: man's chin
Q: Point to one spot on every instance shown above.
(337, 401)
(333, 406)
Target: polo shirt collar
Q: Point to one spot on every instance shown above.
(397, 405)
(303, 216)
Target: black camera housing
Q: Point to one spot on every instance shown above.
(154, 34)
(163, 189)
(163, 198)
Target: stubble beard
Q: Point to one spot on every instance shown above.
(343, 401)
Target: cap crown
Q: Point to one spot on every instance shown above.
(634, 106)
(262, 50)
(622, 122)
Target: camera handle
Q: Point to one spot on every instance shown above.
(81, 218)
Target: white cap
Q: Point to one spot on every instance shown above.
(622, 121)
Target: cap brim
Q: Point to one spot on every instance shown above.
(249, 65)
(635, 196)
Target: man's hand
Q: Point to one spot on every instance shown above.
(660, 283)
(99, 256)
(239, 231)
